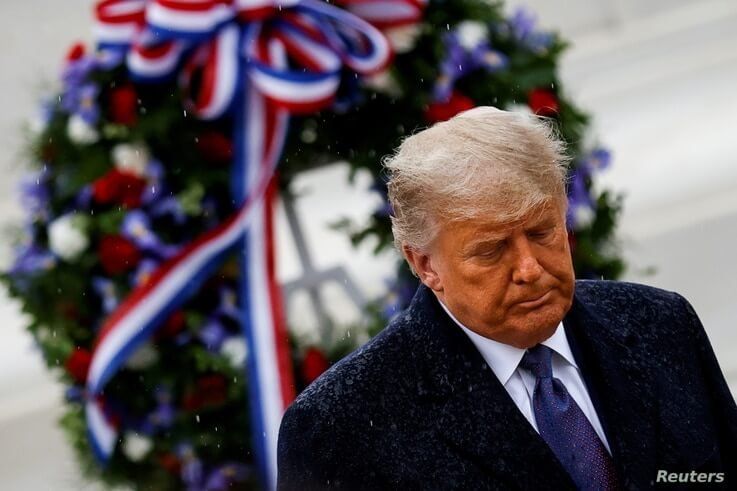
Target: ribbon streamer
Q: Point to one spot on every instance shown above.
(262, 60)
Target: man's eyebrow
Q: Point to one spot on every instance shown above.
(488, 241)
(541, 220)
(542, 224)
(492, 240)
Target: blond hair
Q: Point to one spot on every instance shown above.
(484, 161)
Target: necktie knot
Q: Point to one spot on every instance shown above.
(539, 361)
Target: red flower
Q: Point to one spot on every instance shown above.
(443, 111)
(170, 463)
(215, 147)
(48, 152)
(210, 390)
(117, 254)
(68, 310)
(118, 187)
(76, 51)
(543, 102)
(313, 364)
(124, 105)
(78, 364)
(172, 326)
(104, 189)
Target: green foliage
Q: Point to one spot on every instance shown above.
(208, 392)
(371, 130)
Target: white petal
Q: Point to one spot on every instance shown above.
(235, 350)
(136, 446)
(79, 131)
(67, 238)
(131, 157)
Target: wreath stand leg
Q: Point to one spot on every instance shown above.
(313, 280)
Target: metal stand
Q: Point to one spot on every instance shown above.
(313, 280)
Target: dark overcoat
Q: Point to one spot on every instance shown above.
(418, 407)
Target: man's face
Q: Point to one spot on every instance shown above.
(509, 282)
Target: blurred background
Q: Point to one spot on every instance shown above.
(658, 78)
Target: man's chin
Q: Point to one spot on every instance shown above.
(536, 328)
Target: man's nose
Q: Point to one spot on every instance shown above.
(526, 268)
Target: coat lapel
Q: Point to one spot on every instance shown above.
(474, 413)
(470, 408)
(616, 372)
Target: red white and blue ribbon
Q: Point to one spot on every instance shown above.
(260, 60)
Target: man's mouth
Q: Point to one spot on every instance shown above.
(536, 301)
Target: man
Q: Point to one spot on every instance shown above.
(505, 372)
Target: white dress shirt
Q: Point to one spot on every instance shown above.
(504, 360)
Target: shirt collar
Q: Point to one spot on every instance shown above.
(503, 359)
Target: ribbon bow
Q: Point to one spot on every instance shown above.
(259, 60)
(217, 37)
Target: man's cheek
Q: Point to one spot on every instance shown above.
(494, 311)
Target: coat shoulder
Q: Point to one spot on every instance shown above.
(375, 372)
(615, 295)
(661, 316)
(342, 416)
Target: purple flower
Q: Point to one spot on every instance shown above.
(88, 109)
(79, 94)
(44, 113)
(464, 56)
(69, 100)
(210, 211)
(82, 100)
(77, 71)
(107, 291)
(107, 59)
(83, 199)
(223, 476)
(599, 159)
(390, 305)
(581, 205)
(399, 296)
(144, 271)
(183, 338)
(577, 191)
(154, 175)
(35, 195)
(46, 110)
(349, 96)
(385, 209)
(155, 170)
(163, 415)
(228, 306)
(74, 393)
(522, 24)
(137, 228)
(596, 160)
(30, 258)
(195, 477)
(191, 471)
(213, 334)
(170, 207)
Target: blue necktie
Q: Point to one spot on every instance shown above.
(565, 428)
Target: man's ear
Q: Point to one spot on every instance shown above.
(422, 265)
